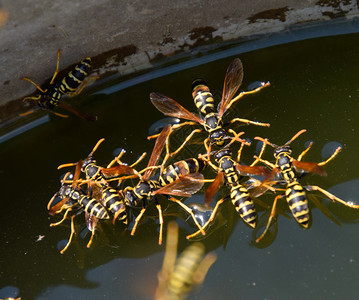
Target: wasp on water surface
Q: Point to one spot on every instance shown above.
(230, 171)
(176, 180)
(212, 121)
(295, 193)
(71, 85)
(179, 276)
(73, 197)
(96, 177)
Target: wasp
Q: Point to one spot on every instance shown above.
(295, 193)
(179, 276)
(98, 181)
(72, 197)
(72, 84)
(231, 171)
(171, 184)
(211, 122)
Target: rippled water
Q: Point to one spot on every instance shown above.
(314, 85)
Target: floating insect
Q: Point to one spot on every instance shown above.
(212, 121)
(97, 176)
(147, 190)
(179, 276)
(73, 197)
(295, 193)
(230, 171)
(71, 85)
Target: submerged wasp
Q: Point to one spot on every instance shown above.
(73, 197)
(72, 84)
(212, 121)
(179, 276)
(295, 193)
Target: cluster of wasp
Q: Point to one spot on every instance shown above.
(105, 191)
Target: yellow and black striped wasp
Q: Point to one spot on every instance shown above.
(230, 171)
(212, 121)
(72, 197)
(295, 193)
(72, 84)
(176, 180)
(97, 176)
(179, 276)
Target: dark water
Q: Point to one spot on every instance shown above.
(314, 85)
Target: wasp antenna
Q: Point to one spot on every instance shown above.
(266, 141)
(295, 136)
(96, 146)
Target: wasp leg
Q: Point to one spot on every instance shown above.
(175, 126)
(63, 218)
(203, 268)
(160, 217)
(137, 220)
(241, 94)
(330, 196)
(188, 210)
(219, 202)
(37, 86)
(271, 217)
(258, 158)
(59, 115)
(186, 141)
(71, 235)
(248, 122)
(79, 89)
(57, 67)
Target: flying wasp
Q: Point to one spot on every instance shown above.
(295, 193)
(71, 85)
(212, 121)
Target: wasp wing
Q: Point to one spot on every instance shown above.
(310, 167)
(117, 171)
(213, 188)
(80, 114)
(157, 150)
(172, 108)
(232, 82)
(253, 170)
(185, 186)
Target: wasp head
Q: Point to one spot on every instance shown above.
(282, 150)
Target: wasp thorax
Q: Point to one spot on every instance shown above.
(217, 137)
(212, 121)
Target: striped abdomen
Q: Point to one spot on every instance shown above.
(93, 207)
(181, 168)
(182, 278)
(113, 202)
(75, 77)
(202, 97)
(243, 204)
(298, 203)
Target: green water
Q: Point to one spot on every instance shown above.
(314, 85)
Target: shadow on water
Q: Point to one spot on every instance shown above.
(314, 85)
